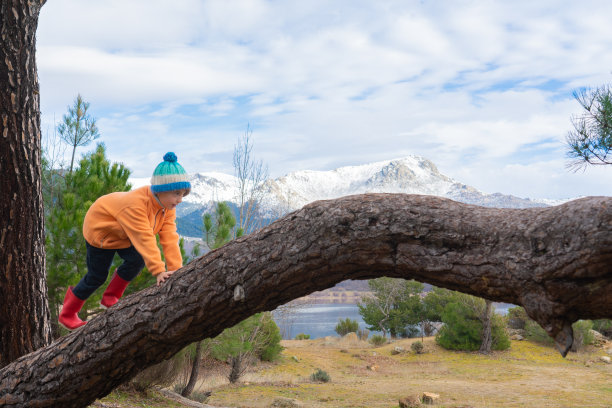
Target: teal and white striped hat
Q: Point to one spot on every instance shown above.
(169, 175)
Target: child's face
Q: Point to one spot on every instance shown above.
(170, 199)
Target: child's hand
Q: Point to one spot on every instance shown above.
(161, 278)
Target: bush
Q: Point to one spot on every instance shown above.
(271, 352)
(378, 340)
(255, 337)
(499, 336)
(271, 348)
(363, 334)
(462, 328)
(302, 336)
(320, 376)
(461, 331)
(346, 326)
(417, 347)
(239, 339)
(582, 334)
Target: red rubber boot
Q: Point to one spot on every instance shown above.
(114, 291)
(68, 316)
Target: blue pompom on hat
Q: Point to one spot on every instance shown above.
(169, 175)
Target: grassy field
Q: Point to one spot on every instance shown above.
(527, 375)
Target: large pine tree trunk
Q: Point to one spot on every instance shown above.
(556, 262)
(24, 312)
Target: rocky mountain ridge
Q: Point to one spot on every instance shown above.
(407, 175)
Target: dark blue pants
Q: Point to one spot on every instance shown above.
(99, 262)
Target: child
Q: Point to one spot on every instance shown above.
(126, 223)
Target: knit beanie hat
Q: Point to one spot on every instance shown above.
(169, 175)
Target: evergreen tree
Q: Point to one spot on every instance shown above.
(394, 306)
(258, 336)
(220, 227)
(78, 128)
(463, 317)
(65, 245)
(591, 140)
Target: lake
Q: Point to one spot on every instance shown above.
(320, 320)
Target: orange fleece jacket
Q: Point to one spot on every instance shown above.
(120, 220)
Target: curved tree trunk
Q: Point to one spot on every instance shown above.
(24, 311)
(554, 261)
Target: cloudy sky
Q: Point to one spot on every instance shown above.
(482, 88)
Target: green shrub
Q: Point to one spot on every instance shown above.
(582, 334)
(257, 335)
(378, 340)
(302, 336)
(417, 347)
(271, 352)
(499, 335)
(320, 376)
(461, 331)
(462, 328)
(346, 326)
(271, 348)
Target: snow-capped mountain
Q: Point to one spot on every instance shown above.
(409, 175)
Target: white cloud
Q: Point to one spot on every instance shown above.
(327, 84)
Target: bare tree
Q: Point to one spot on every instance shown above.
(53, 187)
(24, 311)
(251, 176)
(553, 261)
(53, 168)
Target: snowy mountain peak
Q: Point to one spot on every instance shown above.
(408, 175)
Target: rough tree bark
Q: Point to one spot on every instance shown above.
(24, 311)
(556, 262)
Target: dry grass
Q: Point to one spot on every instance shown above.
(527, 375)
